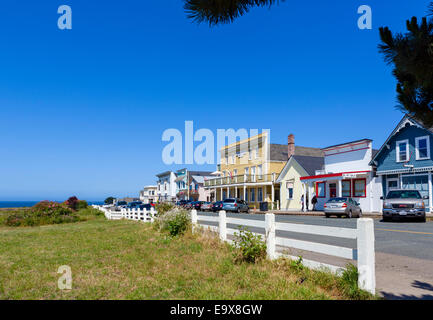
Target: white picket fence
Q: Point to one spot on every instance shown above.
(130, 214)
(364, 235)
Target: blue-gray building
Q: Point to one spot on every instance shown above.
(405, 159)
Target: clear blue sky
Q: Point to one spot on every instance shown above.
(82, 111)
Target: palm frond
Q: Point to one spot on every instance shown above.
(216, 12)
(430, 9)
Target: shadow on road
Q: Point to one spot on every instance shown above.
(416, 284)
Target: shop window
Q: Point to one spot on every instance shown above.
(346, 188)
(359, 188)
(422, 148)
(321, 189)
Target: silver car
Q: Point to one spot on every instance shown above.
(404, 204)
(343, 206)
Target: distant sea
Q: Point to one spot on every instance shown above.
(22, 204)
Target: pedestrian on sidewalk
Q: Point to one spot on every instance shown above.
(302, 202)
(314, 201)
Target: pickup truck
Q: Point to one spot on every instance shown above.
(404, 204)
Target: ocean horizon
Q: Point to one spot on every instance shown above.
(25, 204)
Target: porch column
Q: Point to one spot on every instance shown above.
(245, 193)
(340, 189)
(221, 194)
(272, 194)
(304, 190)
(430, 192)
(236, 192)
(228, 192)
(216, 195)
(310, 195)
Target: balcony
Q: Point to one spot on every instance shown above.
(240, 179)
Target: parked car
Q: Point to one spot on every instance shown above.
(206, 206)
(404, 204)
(197, 205)
(146, 206)
(217, 206)
(188, 205)
(235, 205)
(342, 206)
(134, 204)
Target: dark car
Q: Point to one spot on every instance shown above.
(197, 205)
(217, 206)
(146, 206)
(134, 204)
(235, 205)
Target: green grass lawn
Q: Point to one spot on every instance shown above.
(130, 260)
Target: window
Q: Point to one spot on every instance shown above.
(321, 189)
(359, 188)
(260, 195)
(253, 174)
(250, 155)
(256, 153)
(402, 151)
(422, 148)
(253, 197)
(346, 188)
(259, 171)
(289, 187)
(227, 160)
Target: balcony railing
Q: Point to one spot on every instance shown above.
(240, 179)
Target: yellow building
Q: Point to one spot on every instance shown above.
(249, 170)
(291, 189)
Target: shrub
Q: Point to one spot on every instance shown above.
(50, 208)
(176, 221)
(82, 204)
(248, 246)
(163, 207)
(72, 203)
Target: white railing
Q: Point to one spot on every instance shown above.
(364, 235)
(129, 214)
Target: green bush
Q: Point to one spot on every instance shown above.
(176, 221)
(248, 247)
(163, 207)
(44, 212)
(82, 204)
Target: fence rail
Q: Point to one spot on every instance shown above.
(129, 214)
(364, 235)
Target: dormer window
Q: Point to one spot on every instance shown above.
(422, 148)
(402, 151)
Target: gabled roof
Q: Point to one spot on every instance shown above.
(401, 125)
(279, 152)
(308, 163)
(201, 179)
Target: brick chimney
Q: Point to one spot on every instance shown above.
(291, 145)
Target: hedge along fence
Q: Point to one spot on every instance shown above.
(363, 254)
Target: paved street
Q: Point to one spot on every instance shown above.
(404, 251)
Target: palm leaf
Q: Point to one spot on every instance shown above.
(216, 12)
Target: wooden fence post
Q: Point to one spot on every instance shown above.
(152, 214)
(270, 235)
(366, 255)
(223, 225)
(194, 219)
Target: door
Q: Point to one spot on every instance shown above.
(332, 190)
(391, 184)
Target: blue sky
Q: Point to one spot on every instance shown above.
(82, 111)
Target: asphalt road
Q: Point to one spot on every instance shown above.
(406, 238)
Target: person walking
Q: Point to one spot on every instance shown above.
(314, 201)
(302, 202)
